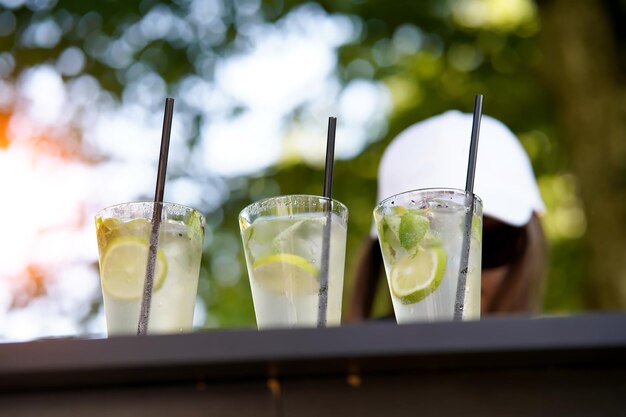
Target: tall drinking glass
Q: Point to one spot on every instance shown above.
(421, 237)
(123, 233)
(284, 240)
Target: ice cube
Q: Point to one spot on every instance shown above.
(302, 238)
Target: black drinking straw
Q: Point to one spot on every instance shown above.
(469, 207)
(328, 191)
(144, 314)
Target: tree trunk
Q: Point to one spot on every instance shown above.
(580, 62)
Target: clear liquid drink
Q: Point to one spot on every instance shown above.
(283, 241)
(123, 233)
(421, 238)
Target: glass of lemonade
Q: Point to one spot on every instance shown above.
(421, 239)
(123, 233)
(284, 242)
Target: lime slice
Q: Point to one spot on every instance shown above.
(195, 224)
(123, 268)
(413, 228)
(477, 228)
(388, 239)
(413, 278)
(393, 223)
(399, 210)
(286, 273)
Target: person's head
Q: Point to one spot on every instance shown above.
(434, 153)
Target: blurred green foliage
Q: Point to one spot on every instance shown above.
(431, 55)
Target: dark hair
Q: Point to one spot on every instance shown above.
(522, 251)
(521, 290)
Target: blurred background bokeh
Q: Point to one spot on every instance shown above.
(82, 89)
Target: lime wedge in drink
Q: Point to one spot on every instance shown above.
(390, 229)
(123, 268)
(413, 278)
(394, 217)
(285, 272)
(413, 228)
(399, 210)
(477, 227)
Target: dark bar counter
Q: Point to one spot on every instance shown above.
(515, 366)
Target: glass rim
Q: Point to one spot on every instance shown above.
(133, 203)
(442, 190)
(286, 196)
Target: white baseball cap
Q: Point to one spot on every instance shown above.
(434, 154)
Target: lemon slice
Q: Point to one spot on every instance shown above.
(286, 273)
(123, 268)
(413, 278)
(107, 224)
